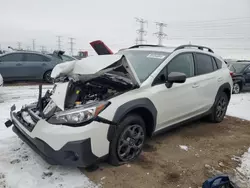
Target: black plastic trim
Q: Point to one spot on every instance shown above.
(124, 109)
(196, 46)
(76, 153)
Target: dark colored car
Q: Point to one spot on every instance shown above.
(240, 72)
(25, 65)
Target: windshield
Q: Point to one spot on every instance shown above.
(144, 62)
(237, 67)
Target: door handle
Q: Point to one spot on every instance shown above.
(195, 85)
(44, 64)
(19, 64)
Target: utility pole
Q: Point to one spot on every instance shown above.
(19, 45)
(160, 34)
(42, 48)
(141, 32)
(136, 41)
(34, 44)
(71, 42)
(59, 42)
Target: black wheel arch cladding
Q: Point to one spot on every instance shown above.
(142, 106)
(226, 88)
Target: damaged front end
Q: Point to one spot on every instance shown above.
(78, 99)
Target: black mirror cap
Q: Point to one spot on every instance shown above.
(175, 77)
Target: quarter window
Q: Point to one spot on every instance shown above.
(204, 64)
(219, 63)
(183, 63)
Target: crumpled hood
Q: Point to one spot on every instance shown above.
(93, 65)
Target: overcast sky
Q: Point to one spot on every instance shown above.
(217, 23)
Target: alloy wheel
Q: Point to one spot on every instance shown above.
(236, 88)
(221, 107)
(130, 143)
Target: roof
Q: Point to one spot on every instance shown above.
(30, 52)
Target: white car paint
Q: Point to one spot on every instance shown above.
(174, 105)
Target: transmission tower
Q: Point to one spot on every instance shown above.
(59, 42)
(141, 32)
(19, 45)
(34, 44)
(160, 34)
(71, 42)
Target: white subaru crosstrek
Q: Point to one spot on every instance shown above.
(107, 105)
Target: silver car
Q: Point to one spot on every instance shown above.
(24, 65)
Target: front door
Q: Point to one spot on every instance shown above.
(179, 102)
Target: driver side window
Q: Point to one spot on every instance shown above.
(183, 63)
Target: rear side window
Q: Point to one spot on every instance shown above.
(35, 57)
(12, 57)
(204, 64)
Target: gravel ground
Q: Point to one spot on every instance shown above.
(184, 157)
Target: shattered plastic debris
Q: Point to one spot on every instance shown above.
(183, 147)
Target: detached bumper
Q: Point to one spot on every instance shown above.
(74, 153)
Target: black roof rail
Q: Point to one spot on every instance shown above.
(196, 46)
(145, 45)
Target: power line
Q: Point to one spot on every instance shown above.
(59, 42)
(141, 32)
(71, 42)
(160, 34)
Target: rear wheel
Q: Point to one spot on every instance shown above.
(128, 141)
(236, 88)
(220, 108)
(47, 77)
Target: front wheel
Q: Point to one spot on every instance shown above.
(220, 108)
(128, 140)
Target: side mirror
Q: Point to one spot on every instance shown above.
(175, 77)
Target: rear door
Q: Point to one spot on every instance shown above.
(209, 79)
(35, 65)
(11, 65)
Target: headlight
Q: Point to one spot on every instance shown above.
(79, 115)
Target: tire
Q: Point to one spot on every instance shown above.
(236, 88)
(46, 77)
(125, 146)
(219, 109)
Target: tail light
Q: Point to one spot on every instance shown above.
(231, 73)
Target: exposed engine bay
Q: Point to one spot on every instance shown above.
(81, 93)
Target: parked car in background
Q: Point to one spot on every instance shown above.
(26, 65)
(1, 80)
(240, 72)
